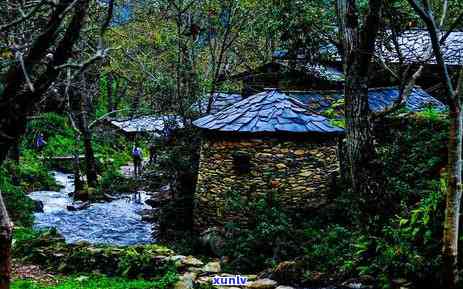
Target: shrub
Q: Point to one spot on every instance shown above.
(410, 245)
(19, 206)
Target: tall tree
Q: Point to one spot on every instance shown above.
(358, 35)
(6, 229)
(454, 168)
(41, 36)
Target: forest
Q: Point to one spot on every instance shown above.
(200, 144)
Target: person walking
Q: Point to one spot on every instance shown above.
(40, 142)
(137, 156)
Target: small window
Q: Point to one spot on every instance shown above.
(241, 163)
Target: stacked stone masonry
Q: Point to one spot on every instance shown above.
(297, 174)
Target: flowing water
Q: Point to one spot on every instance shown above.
(117, 222)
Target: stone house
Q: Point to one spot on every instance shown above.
(267, 146)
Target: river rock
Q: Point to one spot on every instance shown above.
(262, 284)
(192, 261)
(81, 195)
(153, 202)
(204, 280)
(186, 281)
(284, 287)
(212, 267)
(78, 206)
(38, 206)
(149, 216)
(177, 260)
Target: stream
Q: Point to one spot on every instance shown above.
(117, 222)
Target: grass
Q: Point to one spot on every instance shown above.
(99, 282)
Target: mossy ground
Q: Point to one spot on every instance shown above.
(98, 282)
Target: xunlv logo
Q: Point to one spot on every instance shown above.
(229, 280)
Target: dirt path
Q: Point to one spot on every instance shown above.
(32, 272)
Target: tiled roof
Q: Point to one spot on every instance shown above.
(379, 99)
(220, 102)
(269, 111)
(152, 123)
(416, 44)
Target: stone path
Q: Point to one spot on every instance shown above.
(127, 170)
(196, 273)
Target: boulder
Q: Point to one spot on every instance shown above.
(262, 284)
(153, 202)
(204, 280)
(177, 260)
(212, 267)
(81, 195)
(186, 281)
(192, 262)
(150, 217)
(78, 206)
(38, 206)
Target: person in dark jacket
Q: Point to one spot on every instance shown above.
(40, 142)
(137, 156)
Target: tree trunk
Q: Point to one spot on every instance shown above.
(17, 102)
(78, 186)
(90, 163)
(453, 198)
(5, 246)
(358, 48)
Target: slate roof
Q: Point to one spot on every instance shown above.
(379, 99)
(269, 111)
(220, 102)
(151, 123)
(415, 45)
(325, 72)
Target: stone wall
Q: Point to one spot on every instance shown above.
(298, 174)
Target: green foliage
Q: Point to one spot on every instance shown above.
(32, 174)
(268, 239)
(414, 153)
(59, 135)
(48, 249)
(432, 114)
(112, 181)
(410, 245)
(19, 206)
(331, 249)
(100, 282)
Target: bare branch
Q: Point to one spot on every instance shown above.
(20, 58)
(24, 16)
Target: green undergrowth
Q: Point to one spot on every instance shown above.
(111, 150)
(49, 250)
(100, 282)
